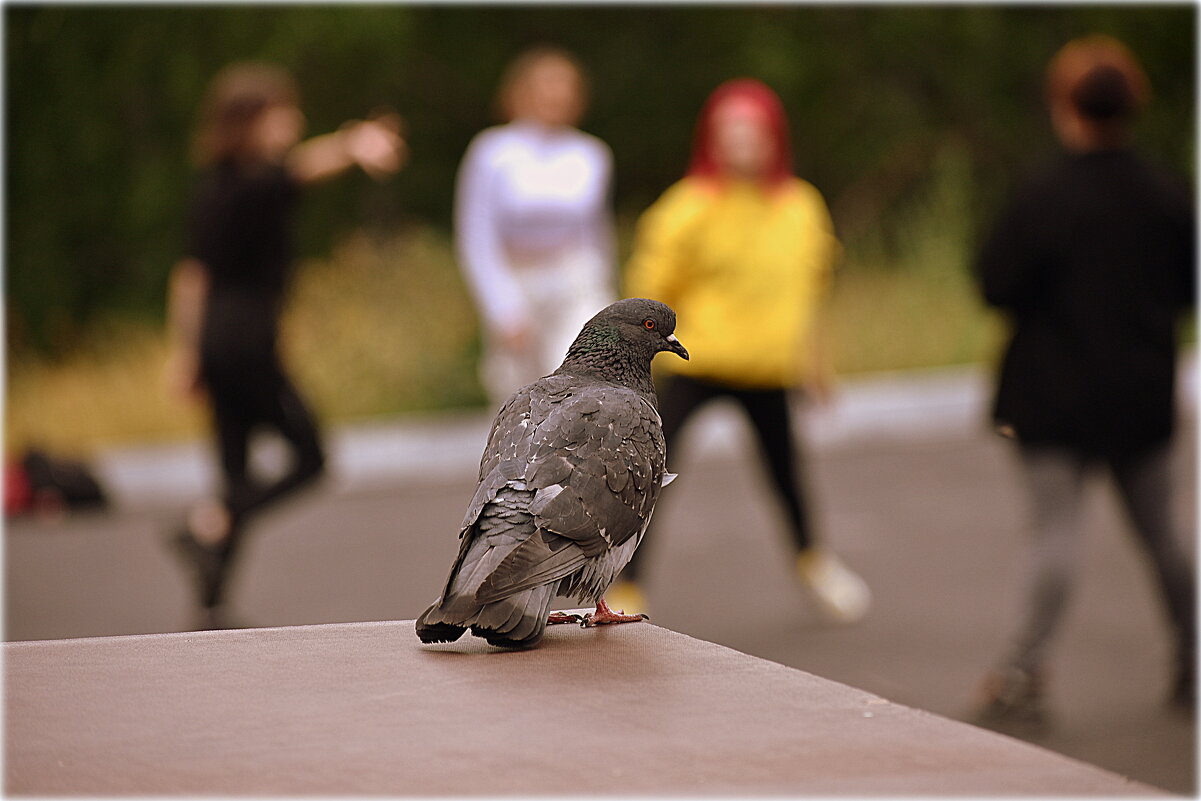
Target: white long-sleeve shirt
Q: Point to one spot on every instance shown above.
(526, 194)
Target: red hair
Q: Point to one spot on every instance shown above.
(755, 93)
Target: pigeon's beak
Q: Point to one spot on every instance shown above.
(675, 347)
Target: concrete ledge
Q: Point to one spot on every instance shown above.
(364, 708)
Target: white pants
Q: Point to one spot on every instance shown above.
(561, 295)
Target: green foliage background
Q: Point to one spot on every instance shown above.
(101, 101)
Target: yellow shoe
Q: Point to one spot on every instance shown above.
(624, 596)
(842, 595)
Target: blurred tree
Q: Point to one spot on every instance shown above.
(101, 102)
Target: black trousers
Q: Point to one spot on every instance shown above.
(244, 400)
(768, 412)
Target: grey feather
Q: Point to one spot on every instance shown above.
(568, 479)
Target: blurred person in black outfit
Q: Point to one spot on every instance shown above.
(226, 295)
(1094, 261)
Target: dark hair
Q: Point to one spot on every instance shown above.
(234, 100)
(1099, 78)
(1103, 94)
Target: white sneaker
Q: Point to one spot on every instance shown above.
(841, 593)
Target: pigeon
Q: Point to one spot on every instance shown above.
(568, 480)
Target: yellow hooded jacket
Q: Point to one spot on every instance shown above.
(745, 269)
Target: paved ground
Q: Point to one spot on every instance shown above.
(930, 513)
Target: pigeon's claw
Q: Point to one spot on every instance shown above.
(604, 616)
(563, 617)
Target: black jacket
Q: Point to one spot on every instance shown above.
(1094, 259)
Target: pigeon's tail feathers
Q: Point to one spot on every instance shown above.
(514, 619)
(505, 577)
(455, 610)
(432, 631)
(517, 621)
(532, 564)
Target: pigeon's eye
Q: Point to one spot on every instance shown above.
(650, 324)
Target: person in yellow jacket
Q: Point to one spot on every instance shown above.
(743, 250)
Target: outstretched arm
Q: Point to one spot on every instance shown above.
(375, 145)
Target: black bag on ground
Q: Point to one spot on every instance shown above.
(71, 481)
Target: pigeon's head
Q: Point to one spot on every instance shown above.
(620, 341)
(643, 323)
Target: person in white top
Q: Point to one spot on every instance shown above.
(533, 225)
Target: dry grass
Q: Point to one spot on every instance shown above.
(912, 302)
(884, 320)
(383, 327)
(110, 390)
(380, 327)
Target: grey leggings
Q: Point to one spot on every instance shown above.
(1055, 479)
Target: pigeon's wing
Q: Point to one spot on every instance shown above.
(508, 436)
(595, 462)
(506, 452)
(598, 472)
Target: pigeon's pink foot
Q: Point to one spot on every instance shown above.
(563, 617)
(604, 616)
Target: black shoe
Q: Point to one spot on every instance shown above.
(215, 618)
(1183, 697)
(206, 562)
(1012, 703)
